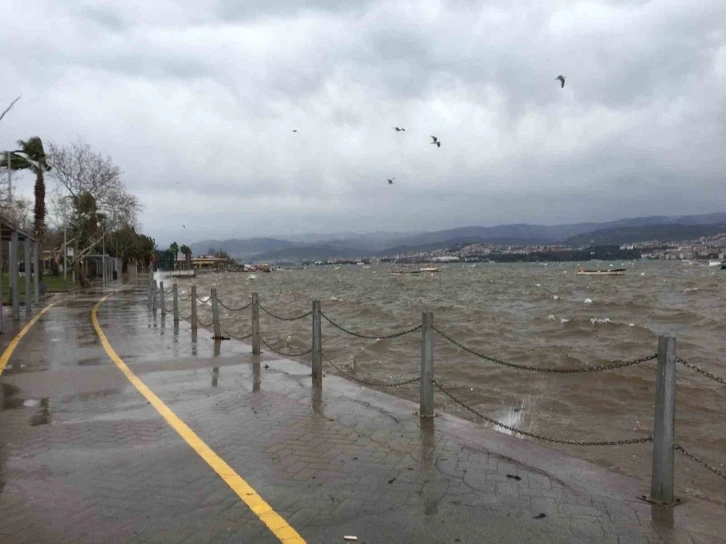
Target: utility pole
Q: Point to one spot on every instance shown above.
(8, 154)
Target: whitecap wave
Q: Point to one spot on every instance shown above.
(598, 321)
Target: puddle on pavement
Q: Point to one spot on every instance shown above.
(10, 400)
(42, 416)
(90, 395)
(8, 397)
(91, 361)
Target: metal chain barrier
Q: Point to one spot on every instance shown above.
(369, 337)
(306, 352)
(700, 461)
(539, 436)
(169, 292)
(181, 298)
(223, 305)
(233, 336)
(203, 300)
(596, 368)
(701, 371)
(185, 318)
(202, 324)
(370, 382)
(268, 312)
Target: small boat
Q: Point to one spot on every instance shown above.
(715, 263)
(609, 272)
(429, 268)
(404, 271)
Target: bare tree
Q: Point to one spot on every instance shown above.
(98, 198)
(9, 108)
(19, 211)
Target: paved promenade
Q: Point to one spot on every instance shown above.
(143, 434)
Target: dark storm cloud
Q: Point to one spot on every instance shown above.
(197, 100)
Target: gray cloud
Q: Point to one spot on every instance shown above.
(206, 94)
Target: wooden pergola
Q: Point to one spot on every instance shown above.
(12, 236)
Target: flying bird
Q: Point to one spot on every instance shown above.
(436, 141)
(390, 180)
(294, 130)
(562, 80)
(398, 129)
(184, 226)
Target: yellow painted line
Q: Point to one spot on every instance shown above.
(18, 337)
(257, 504)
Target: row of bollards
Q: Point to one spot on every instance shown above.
(662, 478)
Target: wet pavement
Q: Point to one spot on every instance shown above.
(85, 458)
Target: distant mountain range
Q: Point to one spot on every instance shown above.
(381, 244)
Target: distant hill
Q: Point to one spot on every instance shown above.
(383, 244)
(630, 235)
(459, 242)
(305, 253)
(242, 248)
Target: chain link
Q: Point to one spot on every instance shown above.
(183, 299)
(169, 292)
(203, 300)
(700, 461)
(184, 317)
(701, 371)
(370, 382)
(539, 436)
(596, 368)
(223, 305)
(233, 336)
(202, 324)
(306, 352)
(369, 337)
(268, 312)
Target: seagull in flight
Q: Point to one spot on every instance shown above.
(390, 180)
(398, 129)
(294, 130)
(436, 141)
(562, 80)
(184, 226)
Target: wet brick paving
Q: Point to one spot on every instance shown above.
(84, 458)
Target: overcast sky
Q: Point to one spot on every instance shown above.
(206, 93)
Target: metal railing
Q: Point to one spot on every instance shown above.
(664, 445)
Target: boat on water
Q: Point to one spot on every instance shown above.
(404, 271)
(430, 268)
(609, 272)
(715, 263)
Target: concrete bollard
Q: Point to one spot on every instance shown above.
(255, 324)
(175, 302)
(194, 308)
(215, 316)
(154, 298)
(14, 274)
(661, 489)
(36, 276)
(426, 407)
(28, 293)
(317, 345)
(162, 298)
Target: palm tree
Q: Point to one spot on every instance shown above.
(174, 248)
(31, 156)
(187, 252)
